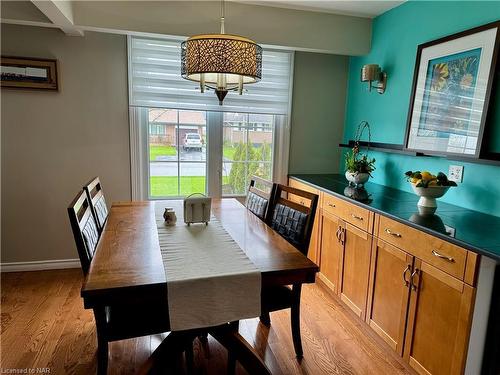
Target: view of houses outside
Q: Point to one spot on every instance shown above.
(178, 149)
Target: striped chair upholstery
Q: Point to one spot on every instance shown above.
(84, 229)
(258, 199)
(94, 192)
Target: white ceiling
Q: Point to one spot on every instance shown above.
(360, 8)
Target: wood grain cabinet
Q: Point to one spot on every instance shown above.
(422, 309)
(332, 248)
(313, 252)
(416, 291)
(439, 320)
(389, 293)
(345, 251)
(355, 268)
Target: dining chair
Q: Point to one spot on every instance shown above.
(95, 195)
(294, 222)
(257, 200)
(114, 322)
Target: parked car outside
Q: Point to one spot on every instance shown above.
(192, 141)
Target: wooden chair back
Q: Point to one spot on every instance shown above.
(294, 221)
(84, 229)
(258, 199)
(94, 192)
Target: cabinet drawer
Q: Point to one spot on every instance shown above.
(441, 254)
(299, 185)
(357, 216)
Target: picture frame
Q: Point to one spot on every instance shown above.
(29, 73)
(451, 90)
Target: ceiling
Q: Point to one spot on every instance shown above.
(360, 8)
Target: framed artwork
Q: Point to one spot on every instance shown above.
(451, 90)
(29, 73)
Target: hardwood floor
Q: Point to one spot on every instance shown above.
(44, 325)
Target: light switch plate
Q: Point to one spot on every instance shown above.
(456, 173)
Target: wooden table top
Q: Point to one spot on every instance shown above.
(128, 258)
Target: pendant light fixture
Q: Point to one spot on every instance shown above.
(221, 62)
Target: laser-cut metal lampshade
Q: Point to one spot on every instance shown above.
(221, 62)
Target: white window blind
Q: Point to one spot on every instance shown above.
(155, 81)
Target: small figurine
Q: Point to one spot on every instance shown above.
(169, 216)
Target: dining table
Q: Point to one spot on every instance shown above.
(128, 268)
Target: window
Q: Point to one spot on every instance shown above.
(247, 150)
(183, 142)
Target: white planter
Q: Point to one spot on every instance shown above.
(357, 178)
(427, 203)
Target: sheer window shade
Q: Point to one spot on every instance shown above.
(155, 81)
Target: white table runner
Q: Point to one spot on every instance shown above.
(210, 280)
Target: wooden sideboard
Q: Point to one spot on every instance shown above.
(416, 291)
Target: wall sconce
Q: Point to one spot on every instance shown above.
(373, 72)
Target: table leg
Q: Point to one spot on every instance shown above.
(240, 349)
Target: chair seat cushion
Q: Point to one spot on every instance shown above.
(276, 298)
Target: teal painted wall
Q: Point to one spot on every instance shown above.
(396, 35)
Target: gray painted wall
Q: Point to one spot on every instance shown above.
(52, 143)
(318, 107)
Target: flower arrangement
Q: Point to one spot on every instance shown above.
(358, 166)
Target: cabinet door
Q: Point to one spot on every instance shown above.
(331, 250)
(439, 320)
(389, 292)
(355, 268)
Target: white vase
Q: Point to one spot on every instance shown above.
(427, 203)
(357, 178)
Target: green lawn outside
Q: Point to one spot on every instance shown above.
(166, 186)
(155, 151)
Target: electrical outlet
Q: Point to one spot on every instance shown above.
(456, 173)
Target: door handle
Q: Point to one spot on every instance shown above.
(412, 284)
(395, 234)
(441, 256)
(342, 236)
(406, 282)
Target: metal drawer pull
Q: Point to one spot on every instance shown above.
(406, 282)
(449, 259)
(357, 217)
(412, 285)
(302, 203)
(395, 234)
(331, 205)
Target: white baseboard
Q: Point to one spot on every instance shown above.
(40, 265)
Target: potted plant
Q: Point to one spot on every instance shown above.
(358, 166)
(428, 187)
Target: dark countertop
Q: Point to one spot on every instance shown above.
(469, 229)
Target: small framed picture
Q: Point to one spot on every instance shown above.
(451, 91)
(29, 73)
